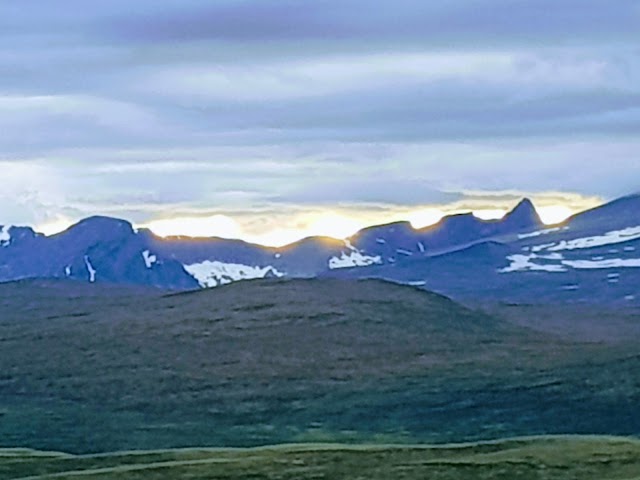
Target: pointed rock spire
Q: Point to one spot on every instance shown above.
(523, 216)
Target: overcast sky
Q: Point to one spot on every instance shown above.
(270, 115)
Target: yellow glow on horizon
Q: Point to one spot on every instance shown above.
(212, 226)
(335, 226)
(327, 224)
(490, 214)
(339, 223)
(52, 227)
(554, 214)
(425, 217)
(277, 238)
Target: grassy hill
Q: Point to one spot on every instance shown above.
(95, 369)
(522, 459)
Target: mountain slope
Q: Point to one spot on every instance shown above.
(97, 249)
(107, 250)
(593, 257)
(218, 261)
(400, 240)
(615, 215)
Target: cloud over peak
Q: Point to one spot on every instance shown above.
(136, 108)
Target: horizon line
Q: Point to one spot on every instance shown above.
(65, 225)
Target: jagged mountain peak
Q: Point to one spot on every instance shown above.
(105, 249)
(523, 215)
(525, 204)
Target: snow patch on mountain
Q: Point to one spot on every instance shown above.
(5, 236)
(525, 263)
(544, 246)
(149, 259)
(540, 232)
(611, 263)
(551, 252)
(213, 273)
(609, 238)
(90, 269)
(353, 259)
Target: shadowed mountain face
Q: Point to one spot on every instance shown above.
(399, 241)
(593, 258)
(274, 361)
(96, 250)
(106, 250)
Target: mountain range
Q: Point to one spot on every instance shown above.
(593, 257)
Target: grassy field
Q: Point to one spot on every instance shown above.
(553, 458)
(90, 369)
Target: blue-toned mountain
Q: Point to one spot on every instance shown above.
(593, 257)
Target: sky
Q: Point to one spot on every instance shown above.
(272, 120)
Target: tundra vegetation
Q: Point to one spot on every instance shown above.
(338, 369)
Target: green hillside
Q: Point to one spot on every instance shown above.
(525, 459)
(91, 369)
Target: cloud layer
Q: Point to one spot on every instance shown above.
(152, 109)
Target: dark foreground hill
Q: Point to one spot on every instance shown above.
(87, 368)
(324, 329)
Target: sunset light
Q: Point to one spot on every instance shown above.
(327, 224)
(554, 214)
(319, 239)
(212, 226)
(54, 226)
